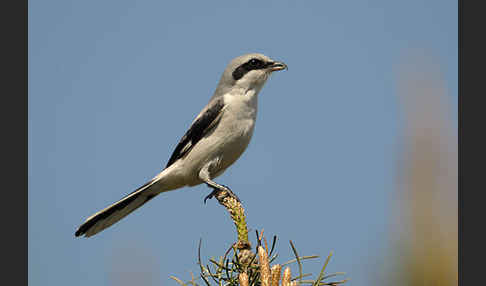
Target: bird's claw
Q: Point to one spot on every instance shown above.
(216, 191)
(231, 194)
(211, 195)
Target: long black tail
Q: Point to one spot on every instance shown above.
(112, 214)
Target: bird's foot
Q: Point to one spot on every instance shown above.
(218, 191)
(231, 194)
(211, 195)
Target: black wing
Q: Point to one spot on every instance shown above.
(198, 129)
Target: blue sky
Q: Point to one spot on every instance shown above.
(113, 85)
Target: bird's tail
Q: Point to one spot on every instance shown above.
(112, 214)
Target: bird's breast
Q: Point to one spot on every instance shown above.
(236, 128)
(240, 113)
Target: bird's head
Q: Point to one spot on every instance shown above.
(249, 72)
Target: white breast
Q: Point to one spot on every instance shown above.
(226, 143)
(236, 127)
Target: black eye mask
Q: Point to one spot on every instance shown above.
(253, 64)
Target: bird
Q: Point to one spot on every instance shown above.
(217, 137)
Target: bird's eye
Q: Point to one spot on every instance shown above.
(255, 64)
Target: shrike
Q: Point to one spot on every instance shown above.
(216, 139)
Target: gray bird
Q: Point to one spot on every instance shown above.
(216, 139)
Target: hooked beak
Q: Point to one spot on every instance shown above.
(277, 66)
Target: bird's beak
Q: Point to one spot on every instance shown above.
(277, 66)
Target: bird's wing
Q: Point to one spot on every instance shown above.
(204, 122)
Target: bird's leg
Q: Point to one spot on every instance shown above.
(217, 188)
